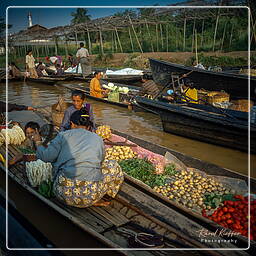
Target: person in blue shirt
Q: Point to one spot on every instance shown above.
(81, 176)
(78, 98)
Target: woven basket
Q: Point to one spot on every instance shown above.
(29, 157)
(217, 97)
(242, 105)
(58, 112)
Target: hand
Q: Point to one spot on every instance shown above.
(31, 108)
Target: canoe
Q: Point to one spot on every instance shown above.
(128, 80)
(234, 84)
(138, 207)
(223, 127)
(86, 90)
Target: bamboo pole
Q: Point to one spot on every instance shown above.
(118, 39)
(196, 46)
(76, 39)
(223, 37)
(89, 41)
(202, 35)
(66, 46)
(131, 39)
(157, 45)
(152, 48)
(184, 34)
(112, 42)
(56, 45)
(176, 37)
(161, 35)
(167, 43)
(215, 32)
(253, 32)
(101, 43)
(193, 35)
(137, 39)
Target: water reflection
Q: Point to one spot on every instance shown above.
(139, 124)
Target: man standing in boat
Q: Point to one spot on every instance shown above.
(30, 65)
(83, 58)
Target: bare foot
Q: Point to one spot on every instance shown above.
(103, 203)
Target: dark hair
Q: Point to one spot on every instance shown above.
(40, 62)
(81, 44)
(70, 54)
(78, 93)
(96, 73)
(32, 125)
(28, 51)
(81, 117)
(58, 65)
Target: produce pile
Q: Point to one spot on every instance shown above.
(189, 189)
(120, 153)
(115, 88)
(38, 171)
(233, 214)
(104, 131)
(14, 135)
(144, 171)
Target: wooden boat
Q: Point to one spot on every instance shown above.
(128, 80)
(86, 90)
(138, 208)
(234, 84)
(224, 127)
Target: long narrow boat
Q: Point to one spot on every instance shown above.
(86, 90)
(228, 128)
(128, 80)
(138, 208)
(234, 84)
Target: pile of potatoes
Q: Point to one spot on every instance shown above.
(120, 153)
(188, 189)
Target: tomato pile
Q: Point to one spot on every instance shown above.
(234, 215)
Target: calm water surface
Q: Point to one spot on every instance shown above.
(144, 125)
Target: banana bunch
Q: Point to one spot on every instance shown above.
(120, 153)
(38, 171)
(104, 131)
(14, 136)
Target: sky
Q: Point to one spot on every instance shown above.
(52, 17)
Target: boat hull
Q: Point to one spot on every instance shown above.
(215, 128)
(236, 85)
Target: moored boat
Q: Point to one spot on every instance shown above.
(134, 196)
(219, 126)
(236, 85)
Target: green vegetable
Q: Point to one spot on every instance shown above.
(27, 151)
(214, 200)
(170, 170)
(46, 189)
(143, 170)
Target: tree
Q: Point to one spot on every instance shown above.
(80, 16)
(3, 27)
(146, 12)
(126, 12)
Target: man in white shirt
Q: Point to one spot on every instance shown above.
(30, 65)
(83, 58)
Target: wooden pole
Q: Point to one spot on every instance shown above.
(66, 46)
(223, 37)
(161, 34)
(115, 40)
(184, 34)
(131, 39)
(202, 35)
(167, 43)
(196, 47)
(176, 37)
(112, 42)
(157, 45)
(193, 35)
(118, 39)
(152, 48)
(101, 43)
(76, 39)
(215, 32)
(136, 35)
(253, 32)
(89, 41)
